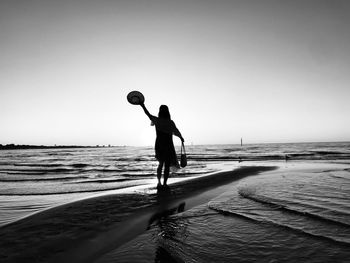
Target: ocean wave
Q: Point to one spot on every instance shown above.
(105, 170)
(56, 153)
(36, 171)
(23, 173)
(6, 163)
(300, 154)
(38, 164)
(100, 181)
(79, 165)
(133, 175)
(74, 165)
(344, 177)
(327, 152)
(63, 179)
(225, 212)
(278, 205)
(247, 154)
(75, 168)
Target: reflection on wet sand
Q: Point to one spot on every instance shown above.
(167, 228)
(164, 197)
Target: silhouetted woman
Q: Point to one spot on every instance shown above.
(164, 147)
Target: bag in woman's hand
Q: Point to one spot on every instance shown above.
(183, 161)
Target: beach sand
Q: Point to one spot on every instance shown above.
(83, 231)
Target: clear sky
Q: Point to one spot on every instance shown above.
(267, 71)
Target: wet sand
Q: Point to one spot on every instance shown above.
(84, 230)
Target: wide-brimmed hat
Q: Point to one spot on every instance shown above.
(135, 97)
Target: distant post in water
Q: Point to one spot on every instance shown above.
(241, 142)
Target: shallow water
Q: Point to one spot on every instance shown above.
(299, 212)
(34, 180)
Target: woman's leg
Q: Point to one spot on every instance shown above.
(159, 171)
(166, 172)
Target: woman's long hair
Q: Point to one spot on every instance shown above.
(164, 112)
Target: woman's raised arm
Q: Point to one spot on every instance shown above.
(146, 111)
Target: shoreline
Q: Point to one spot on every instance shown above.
(55, 233)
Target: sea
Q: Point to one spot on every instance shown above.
(299, 212)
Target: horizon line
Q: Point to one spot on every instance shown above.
(18, 146)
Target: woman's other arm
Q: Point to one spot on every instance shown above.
(177, 133)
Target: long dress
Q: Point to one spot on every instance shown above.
(164, 146)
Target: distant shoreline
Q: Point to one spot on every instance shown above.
(24, 147)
